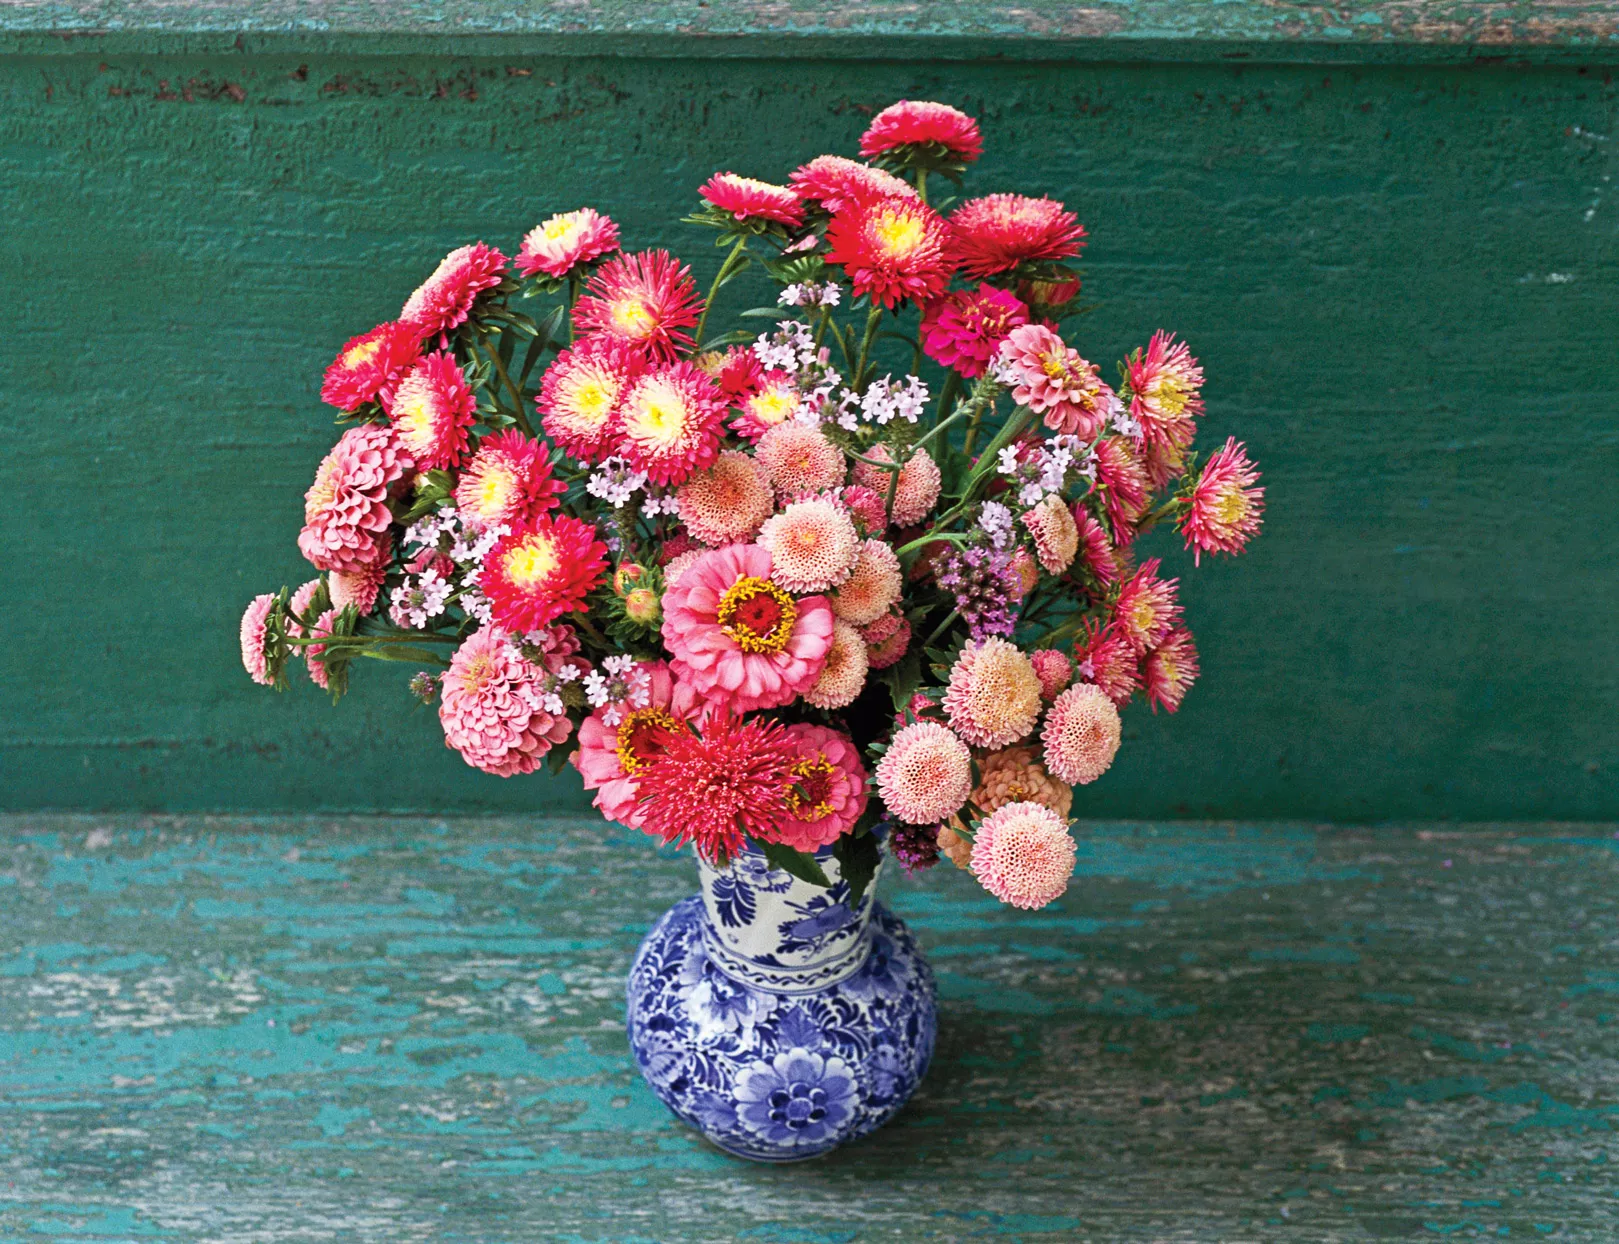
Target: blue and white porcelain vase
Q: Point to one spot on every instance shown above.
(775, 1020)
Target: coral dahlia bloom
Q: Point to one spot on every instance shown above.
(581, 395)
(368, 366)
(773, 401)
(1024, 855)
(541, 571)
(1051, 379)
(1225, 506)
(872, 587)
(1013, 775)
(745, 197)
(346, 514)
(828, 793)
(1170, 670)
(1054, 670)
(994, 694)
(996, 233)
(844, 675)
(255, 635)
(1107, 659)
(563, 242)
(1081, 734)
(926, 774)
(919, 483)
(431, 410)
(1056, 537)
(800, 459)
(493, 707)
(737, 638)
(921, 122)
(891, 249)
(643, 300)
(963, 329)
(445, 299)
(507, 481)
(1147, 608)
(726, 503)
(1164, 390)
(611, 758)
(812, 545)
(836, 181)
(1121, 477)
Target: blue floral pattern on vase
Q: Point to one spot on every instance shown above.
(773, 1019)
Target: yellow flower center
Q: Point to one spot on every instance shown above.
(1169, 394)
(495, 491)
(773, 405)
(1231, 507)
(590, 400)
(659, 416)
(757, 615)
(560, 227)
(632, 317)
(807, 797)
(638, 738)
(361, 354)
(413, 420)
(898, 234)
(532, 560)
(323, 491)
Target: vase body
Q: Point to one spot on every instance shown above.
(774, 1019)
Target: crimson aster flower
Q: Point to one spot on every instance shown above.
(747, 197)
(921, 122)
(672, 422)
(891, 249)
(1165, 383)
(644, 300)
(431, 410)
(996, 233)
(507, 481)
(1147, 609)
(1169, 670)
(368, 366)
(445, 299)
(964, 328)
(836, 181)
(1224, 511)
(541, 571)
(581, 395)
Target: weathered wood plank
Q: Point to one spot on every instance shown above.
(404, 1029)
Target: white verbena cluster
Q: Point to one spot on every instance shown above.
(789, 348)
(811, 294)
(616, 481)
(619, 681)
(1043, 469)
(883, 401)
(996, 521)
(415, 602)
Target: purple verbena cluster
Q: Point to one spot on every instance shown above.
(986, 589)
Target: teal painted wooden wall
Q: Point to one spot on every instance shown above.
(1397, 260)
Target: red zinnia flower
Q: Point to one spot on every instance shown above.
(1170, 669)
(508, 481)
(431, 410)
(559, 245)
(920, 121)
(999, 231)
(541, 571)
(1225, 508)
(368, 366)
(835, 182)
(445, 299)
(892, 249)
(743, 197)
(963, 329)
(642, 300)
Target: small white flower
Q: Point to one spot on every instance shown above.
(996, 520)
(1009, 461)
(596, 688)
(568, 673)
(552, 703)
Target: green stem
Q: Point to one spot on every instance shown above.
(922, 184)
(933, 537)
(872, 319)
(947, 394)
(356, 641)
(941, 628)
(517, 397)
(720, 278)
(960, 412)
(573, 298)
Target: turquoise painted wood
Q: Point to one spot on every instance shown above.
(310, 1029)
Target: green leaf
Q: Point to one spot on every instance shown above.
(795, 862)
(857, 857)
(544, 333)
(904, 678)
(402, 652)
(765, 313)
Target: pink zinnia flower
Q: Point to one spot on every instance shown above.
(725, 503)
(891, 249)
(611, 758)
(361, 586)
(1164, 390)
(507, 481)
(800, 459)
(1169, 670)
(873, 586)
(346, 514)
(1054, 670)
(1095, 549)
(445, 299)
(926, 774)
(1224, 510)
(368, 366)
(963, 329)
(918, 488)
(255, 635)
(812, 545)
(843, 676)
(828, 791)
(745, 197)
(920, 122)
(581, 396)
(1051, 379)
(321, 628)
(1122, 480)
(994, 694)
(493, 707)
(1056, 537)
(836, 181)
(672, 423)
(1023, 854)
(643, 300)
(1107, 659)
(541, 571)
(739, 639)
(566, 241)
(1147, 608)
(774, 400)
(431, 410)
(996, 233)
(1081, 734)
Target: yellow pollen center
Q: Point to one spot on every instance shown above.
(811, 779)
(591, 400)
(494, 491)
(659, 416)
(323, 491)
(1169, 394)
(898, 233)
(773, 405)
(634, 730)
(413, 419)
(757, 625)
(361, 354)
(1231, 507)
(532, 561)
(632, 317)
(1054, 365)
(560, 227)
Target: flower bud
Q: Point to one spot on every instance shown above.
(626, 576)
(642, 605)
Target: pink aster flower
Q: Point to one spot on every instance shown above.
(964, 328)
(1147, 608)
(611, 758)
(1056, 537)
(368, 366)
(773, 401)
(843, 676)
(994, 694)
(828, 793)
(725, 503)
(738, 638)
(745, 197)
(812, 545)
(835, 182)
(1081, 734)
(800, 459)
(873, 586)
(996, 233)
(1164, 390)
(493, 708)
(737, 371)
(507, 481)
(581, 397)
(541, 571)
(1107, 659)
(1054, 670)
(1023, 854)
(255, 636)
(1170, 670)
(1095, 547)
(1223, 512)
(881, 653)
(1051, 379)
(920, 122)
(926, 774)
(346, 514)
(431, 410)
(919, 483)
(891, 249)
(672, 423)
(566, 241)
(445, 299)
(1122, 480)
(643, 300)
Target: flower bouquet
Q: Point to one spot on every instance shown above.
(866, 578)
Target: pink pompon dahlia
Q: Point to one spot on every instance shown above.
(255, 637)
(1095, 548)
(541, 571)
(1054, 670)
(873, 586)
(827, 793)
(507, 481)
(773, 401)
(921, 122)
(644, 300)
(1121, 478)
(321, 628)
(1056, 537)
(672, 423)
(1024, 855)
(1224, 509)
(800, 459)
(745, 197)
(919, 483)
(812, 545)
(1106, 658)
(564, 242)
(1165, 383)
(737, 638)
(721, 786)
(994, 694)
(866, 508)
(1051, 379)
(493, 708)
(1081, 734)
(611, 758)
(431, 410)
(1170, 670)
(346, 513)
(843, 676)
(964, 328)
(926, 774)
(445, 299)
(881, 653)
(581, 396)
(891, 249)
(996, 233)
(725, 503)
(1147, 608)
(368, 366)
(835, 182)
(360, 587)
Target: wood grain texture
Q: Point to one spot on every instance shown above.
(401, 1029)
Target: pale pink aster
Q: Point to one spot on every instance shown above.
(1223, 512)
(800, 459)
(1170, 670)
(837, 181)
(1024, 855)
(994, 234)
(963, 329)
(725, 503)
(812, 545)
(919, 483)
(645, 301)
(255, 635)
(1081, 734)
(610, 758)
(926, 774)
(829, 790)
(1165, 383)
(1147, 608)
(493, 706)
(431, 410)
(922, 122)
(507, 481)
(994, 694)
(882, 653)
(582, 394)
(773, 402)
(874, 584)
(346, 514)
(321, 629)
(844, 675)
(747, 197)
(1052, 380)
(566, 241)
(360, 587)
(1105, 657)
(1054, 670)
(1056, 537)
(445, 299)
(672, 423)
(1121, 478)
(866, 508)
